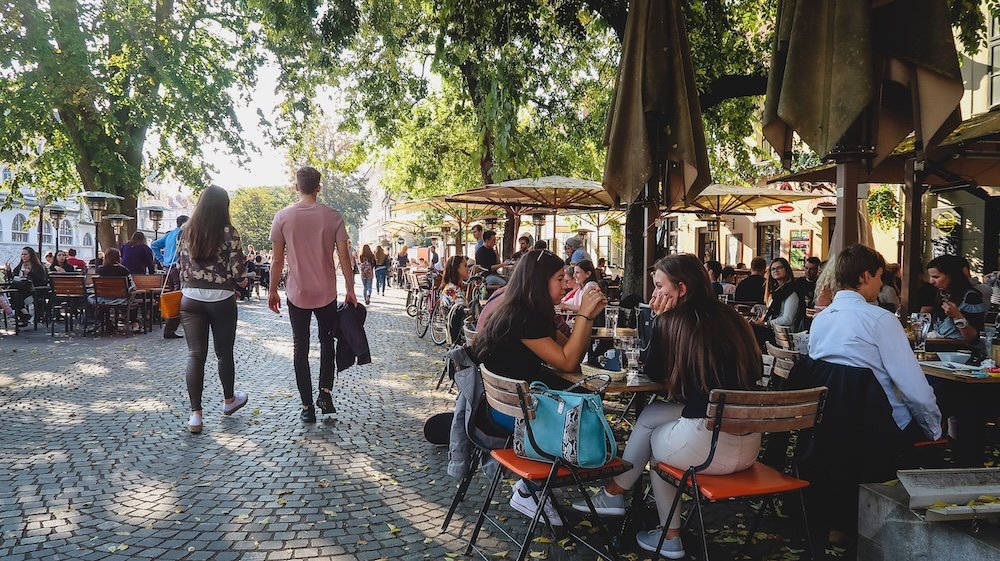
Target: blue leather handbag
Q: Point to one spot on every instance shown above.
(567, 425)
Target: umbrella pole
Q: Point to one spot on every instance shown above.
(718, 238)
(555, 243)
(912, 237)
(846, 230)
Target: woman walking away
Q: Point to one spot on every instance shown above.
(366, 266)
(382, 265)
(698, 344)
(212, 265)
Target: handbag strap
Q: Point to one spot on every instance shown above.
(165, 277)
(605, 377)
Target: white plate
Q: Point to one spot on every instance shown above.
(949, 365)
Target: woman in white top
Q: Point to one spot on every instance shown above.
(784, 304)
(585, 276)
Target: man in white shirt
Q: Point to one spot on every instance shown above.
(853, 332)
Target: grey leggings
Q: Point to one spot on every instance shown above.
(198, 317)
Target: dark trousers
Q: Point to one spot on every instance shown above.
(326, 319)
(380, 276)
(24, 290)
(170, 325)
(198, 317)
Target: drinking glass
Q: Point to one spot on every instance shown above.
(920, 325)
(632, 368)
(611, 318)
(724, 298)
(758, 311)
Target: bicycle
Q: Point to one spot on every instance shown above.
(426, 304)
(412, 286)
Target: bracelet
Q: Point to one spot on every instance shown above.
(585, 317)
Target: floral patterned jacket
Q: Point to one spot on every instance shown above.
(223, 272)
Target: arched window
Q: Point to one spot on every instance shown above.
(65, 233)
(88, 241)
(18, 232)
(46, 232)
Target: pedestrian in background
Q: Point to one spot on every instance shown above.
(165, 252)
(382, 265)
(366, 266)
(212, 268)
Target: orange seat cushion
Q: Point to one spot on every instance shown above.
(538, 471)
(758, 479)
(925, 443)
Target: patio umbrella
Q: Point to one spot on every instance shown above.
(854, 77)
(463, 213)
(553, 193)
(655, 114)
(718, 200)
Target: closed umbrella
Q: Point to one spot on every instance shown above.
(854, 77)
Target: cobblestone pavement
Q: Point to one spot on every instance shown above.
(95, 461)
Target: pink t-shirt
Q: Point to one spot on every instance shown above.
(310, 233)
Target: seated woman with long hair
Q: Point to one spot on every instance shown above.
(959, 310)
(456, 273)
(698, 344)
(520, 337)
(585, 277)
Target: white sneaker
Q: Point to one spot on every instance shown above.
(522, 501)
(240, 399)
(194, 423)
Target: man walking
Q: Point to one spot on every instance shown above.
(308, 233)
(165, 253)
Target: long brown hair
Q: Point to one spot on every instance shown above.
(771, 284)
(451, 269)
(138, 238)
(526, 295)
(702, 338)
(205, 231)
(366, 254)
(379, 256)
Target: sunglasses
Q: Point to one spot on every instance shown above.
(543, 252)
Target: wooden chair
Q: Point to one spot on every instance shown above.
(470, 334)
(69, 297)
(513, 398)
(148, 291)
(783, 336)
(114, 288)
(741, 412)
(778, 352)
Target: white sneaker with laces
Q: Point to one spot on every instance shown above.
(522, 501)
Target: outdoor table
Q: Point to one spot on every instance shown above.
(973, 397)
(946, 345)
(640, 384)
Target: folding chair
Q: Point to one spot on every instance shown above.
(741, 412)
(513, 398)
(778, 352)
(783, 336)
(69, 296)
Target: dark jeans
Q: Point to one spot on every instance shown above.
(367, 284)
(301, 318)
(380, 276)
(198, 317)
(170, 325)
(24, 290)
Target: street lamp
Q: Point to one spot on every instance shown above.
(97, 202)
(57, 213)
(490, 222)
(155, 216)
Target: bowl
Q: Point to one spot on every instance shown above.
(960, 358)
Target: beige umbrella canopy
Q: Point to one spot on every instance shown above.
(547, 193)
(861, 74)
(732, 199)
(655, 114)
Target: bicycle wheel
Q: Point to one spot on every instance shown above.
(411, 303)
(439, 325)
(423, 317)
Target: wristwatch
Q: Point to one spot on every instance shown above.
(961, 323)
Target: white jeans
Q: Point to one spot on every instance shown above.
(686, 442)
(662, 435)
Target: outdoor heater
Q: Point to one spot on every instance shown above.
(155, 214)
(538, 221)
(445, 231)
(57, 214)
(97, 202)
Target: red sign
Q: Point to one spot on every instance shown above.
(785, 208)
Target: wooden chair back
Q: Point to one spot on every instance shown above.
(111, 287)
(778, 352)
(768, 362)
(470, 334)
(783, 336)
(68, 286)
(148, 282)
(741, 412)
(502, 394)
(782, 368)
